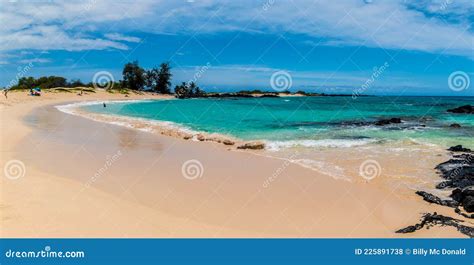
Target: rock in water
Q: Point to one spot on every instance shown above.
(228, 142)
(455, 125)
(252, 145)
(467, 109)
(459, 148)
(388, 121)
(201, 137)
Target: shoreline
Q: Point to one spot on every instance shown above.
(354, 214)
(281, 150)
(152, 126)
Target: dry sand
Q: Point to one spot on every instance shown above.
(84, 178)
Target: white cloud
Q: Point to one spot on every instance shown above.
(245, 76)
(429, 26)
(120, 37)
(35, 60)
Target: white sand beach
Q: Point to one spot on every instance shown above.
(83, 178)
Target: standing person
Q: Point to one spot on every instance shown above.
(5, 92)
(104, 105)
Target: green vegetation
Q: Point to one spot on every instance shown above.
(190, 90)
(255, 91)
(133, 76)
(42, 82)
(136, 79)
(161, 79)
(156, 79)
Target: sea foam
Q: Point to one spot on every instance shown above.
(278, 145)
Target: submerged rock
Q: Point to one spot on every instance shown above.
(388, 121)
(252, 145)
(455, 125)
(467, 109)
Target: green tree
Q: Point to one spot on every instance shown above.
(181, 91)
(26, 82)
(190, 90)
(151, 79)
(163, 82)
(133, 76)
(76, 83)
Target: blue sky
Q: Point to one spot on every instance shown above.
(325, 46)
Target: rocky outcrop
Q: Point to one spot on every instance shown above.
(464, 197)
(388, 121)
(459, 148)
(228, 142)
(455, 125)
(214, 138)
(458, 173)
(252, 146)
(466, 109)
(437, 219)
(434, 199)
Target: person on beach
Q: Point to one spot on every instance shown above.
(5, 92)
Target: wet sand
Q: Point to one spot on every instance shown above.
(86, 178)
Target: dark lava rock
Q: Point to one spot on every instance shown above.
(459, 148)
(434, 199)
(458, 172)
(455, 125)
(457, 195)
(467, 109)
(388, 121)
(468, 204)
(429, 220)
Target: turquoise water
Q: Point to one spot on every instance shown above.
(307, 119)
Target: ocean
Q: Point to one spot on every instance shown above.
(311, 122)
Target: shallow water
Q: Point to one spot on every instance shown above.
(312, 122)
